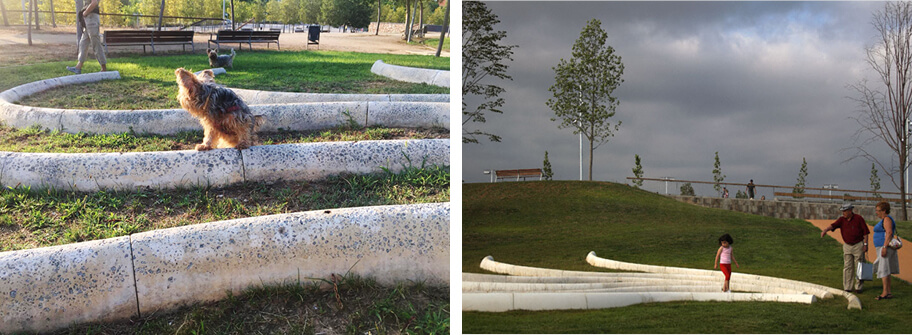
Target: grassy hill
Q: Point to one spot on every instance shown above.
(555, 224)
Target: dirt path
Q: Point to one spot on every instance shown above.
(905, 254)
(54, 44)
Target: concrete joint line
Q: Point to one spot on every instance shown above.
(133, 271)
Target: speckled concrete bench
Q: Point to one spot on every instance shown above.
(412, 75)
(220, 167)
(288, 111)
(531, 288)
(49, 288)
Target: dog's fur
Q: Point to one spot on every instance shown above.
(220, 61)
(226, 119)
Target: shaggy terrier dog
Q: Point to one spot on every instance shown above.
(226, 119)
(220, 61)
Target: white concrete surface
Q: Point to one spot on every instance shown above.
(50, 288)
(288, 111)
(412, 75)
(531, 288)
(219, 167)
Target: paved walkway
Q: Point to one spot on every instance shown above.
(905, 254)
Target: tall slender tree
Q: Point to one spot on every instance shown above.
(802, 178)
(546, 168)
(885, 107)
(718, 177)
(584, 86)
(483, 57)
(875, 181)
(637, 172)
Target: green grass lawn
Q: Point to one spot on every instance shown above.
(555, 224)
(148, 82)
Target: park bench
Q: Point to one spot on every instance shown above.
(520, 173)
(313, 36)
(247, 36)
(148, 37)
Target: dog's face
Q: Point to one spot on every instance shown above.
(186, 79)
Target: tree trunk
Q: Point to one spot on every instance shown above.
(591, 148)
(379, 6)
(903, 159)
(35, 9)
(53, 15)
(233, 21)
(421, 21)
(446, 21)
(161, 14)
(3, 10)
(29, 22)
(408, 11)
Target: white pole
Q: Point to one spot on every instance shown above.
(579, 121)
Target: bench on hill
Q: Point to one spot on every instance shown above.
(521, 173)
(148, 37)
(245, 36)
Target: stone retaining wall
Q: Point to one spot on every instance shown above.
(133, 276)
(777, 209)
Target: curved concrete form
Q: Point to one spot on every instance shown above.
(288, 111)
(736, 278)
(49, 288)
(531, 288)
(413, 75)
(172, 169)
(297, 117)
(502, 302)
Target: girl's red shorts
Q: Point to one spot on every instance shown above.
(727, 270)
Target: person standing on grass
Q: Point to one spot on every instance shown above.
(724, 258)
(92, 25)
(887, 262)
(855, 244)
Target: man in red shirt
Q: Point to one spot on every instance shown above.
(855, 244)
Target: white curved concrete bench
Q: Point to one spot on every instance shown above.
(172, 169)
(502, 302)
(337, 110)
(821, 291)
(412, 75)
(48, 288)
(531, 288)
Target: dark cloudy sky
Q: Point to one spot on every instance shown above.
(762, 83)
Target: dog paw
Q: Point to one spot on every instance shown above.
(202, 147)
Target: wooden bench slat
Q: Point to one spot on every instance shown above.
(148, 37)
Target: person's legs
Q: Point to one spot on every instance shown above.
(848, 268)
(859, 256)
(93, 29)
(81, 57)
(726, 270)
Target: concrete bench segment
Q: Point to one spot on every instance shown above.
(45, 289)
(412, 75)
(201, 262)
(531, 288)
(307, 112)
(48, 288)
(819, 290)
(220, 167)
(502, 302)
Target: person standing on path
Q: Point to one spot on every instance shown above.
(887, 263)
(855, 233)
(750, 189)
(92, 18)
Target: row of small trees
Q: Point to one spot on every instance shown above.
(718, 178)
(354, 13)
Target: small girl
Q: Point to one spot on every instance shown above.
(726, 257)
